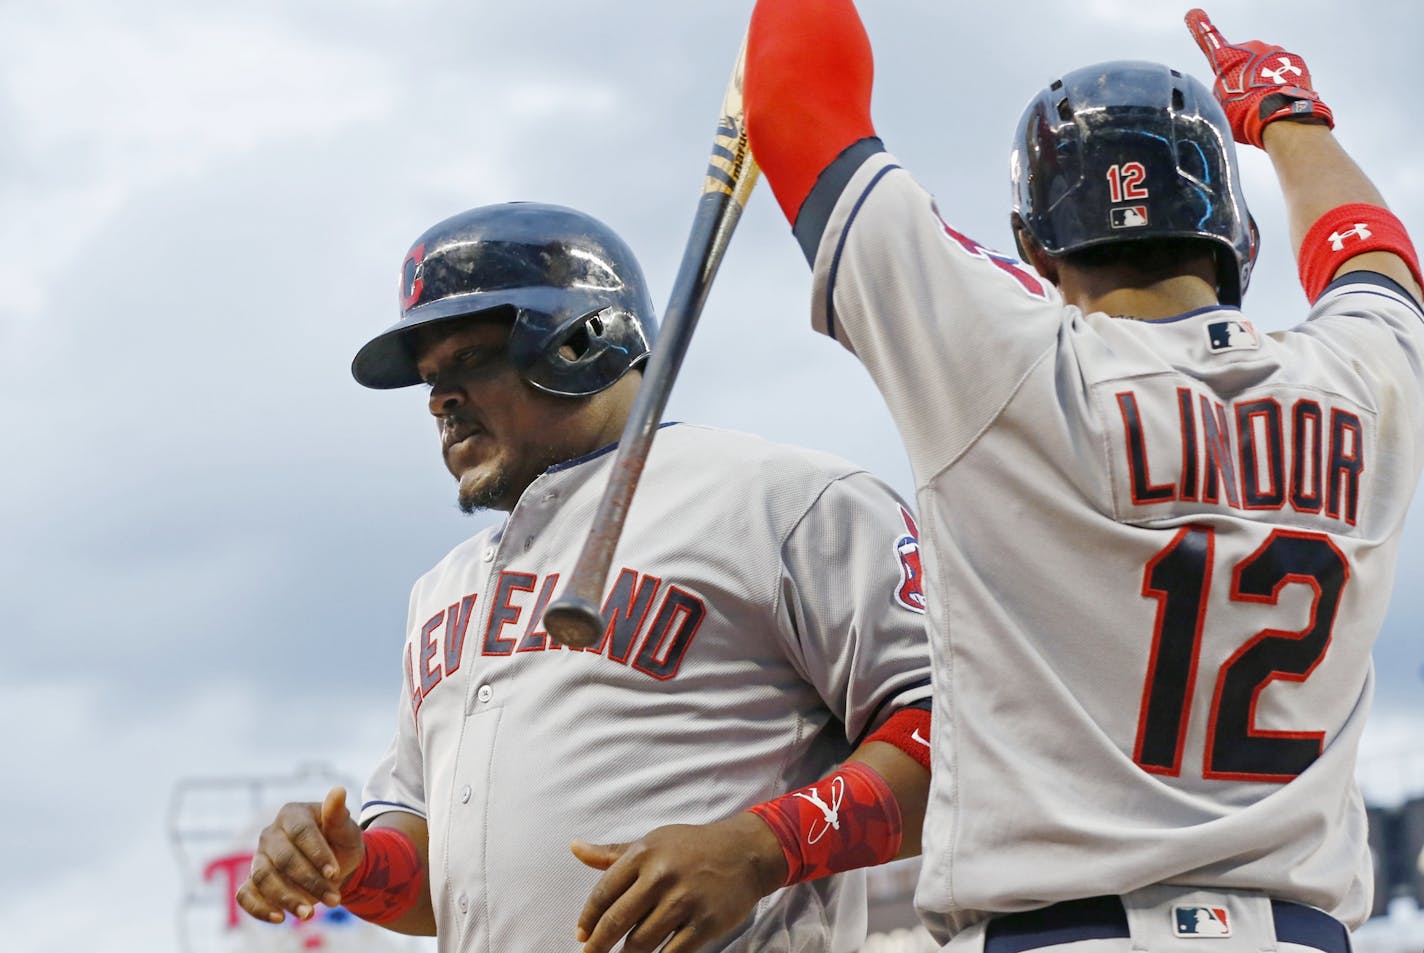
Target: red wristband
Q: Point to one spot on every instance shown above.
(847, 820)
(909, 730)
(387, 883)
(1344, 232)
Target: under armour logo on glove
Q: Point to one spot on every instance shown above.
(1278, 75)
(1257, 83)
(1337, 239)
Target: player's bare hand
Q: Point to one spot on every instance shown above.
(302, 858)
(682, 884)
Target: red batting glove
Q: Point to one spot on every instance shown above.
(1256, 83)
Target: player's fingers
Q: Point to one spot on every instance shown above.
(598, 856)
(690, 937)
(333, 807)
(1207, 36)
(611, 888)
(338, 829)
(297, 865)
(268, 885)
(256, 906)
(669, 916)
(616, 921)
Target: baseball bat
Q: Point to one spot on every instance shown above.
(575, 618)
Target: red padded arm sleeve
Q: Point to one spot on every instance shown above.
(806, 91)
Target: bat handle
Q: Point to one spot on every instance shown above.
(573, 621)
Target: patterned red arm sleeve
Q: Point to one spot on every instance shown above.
(807, 91)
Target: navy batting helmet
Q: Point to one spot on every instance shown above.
(580, 306)
(1125, 151)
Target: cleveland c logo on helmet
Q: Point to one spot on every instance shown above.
(911, 591)
(412, 276)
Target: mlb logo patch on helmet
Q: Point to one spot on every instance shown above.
(1200, 922)
(1129, 216)
(1232, 335)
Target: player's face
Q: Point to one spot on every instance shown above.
(497, 433)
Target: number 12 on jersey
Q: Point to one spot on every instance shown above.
(1179, 579)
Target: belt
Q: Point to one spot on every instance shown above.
(1103, 918)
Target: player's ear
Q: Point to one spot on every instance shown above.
(1031, 251)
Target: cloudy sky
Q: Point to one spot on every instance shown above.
(211, 530)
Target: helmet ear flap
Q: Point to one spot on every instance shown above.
(585, 355)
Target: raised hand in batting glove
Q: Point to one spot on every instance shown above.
(1257, 83)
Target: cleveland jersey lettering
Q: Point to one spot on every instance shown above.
(662, 638)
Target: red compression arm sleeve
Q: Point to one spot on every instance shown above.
(806, 91)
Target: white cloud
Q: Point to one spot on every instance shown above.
(103, 104)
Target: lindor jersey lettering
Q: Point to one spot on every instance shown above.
(1184, 445)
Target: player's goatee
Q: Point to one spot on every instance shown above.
(476, 494)
(499, 486)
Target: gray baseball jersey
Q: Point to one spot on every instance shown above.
(764, 614)
(1156, 555)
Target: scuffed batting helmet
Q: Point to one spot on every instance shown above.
(1124, 151)
(579, 302)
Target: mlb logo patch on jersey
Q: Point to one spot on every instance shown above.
(1232, 335)
(1129, 216)
(1200, 922)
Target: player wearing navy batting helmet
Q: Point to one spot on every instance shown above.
(749, 732)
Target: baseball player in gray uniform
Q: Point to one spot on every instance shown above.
(755, 717)
(1158, 543)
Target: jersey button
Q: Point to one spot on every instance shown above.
(464, 903)
(485, 693)
(465, 794)
(488, 554)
